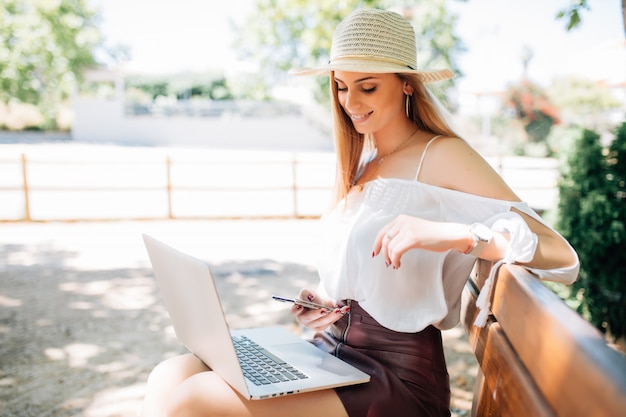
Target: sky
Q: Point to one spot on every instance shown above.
(181, 35)
(174, 35)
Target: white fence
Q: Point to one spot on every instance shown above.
(94, 182)
(99, 183)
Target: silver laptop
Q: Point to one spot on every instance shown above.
(194, 306)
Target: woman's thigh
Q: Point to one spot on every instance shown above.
(184, 386)
(165, 378)
(207, 394)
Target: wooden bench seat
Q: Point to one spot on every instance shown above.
(537, 356)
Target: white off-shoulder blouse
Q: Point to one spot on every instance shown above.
(427, 288)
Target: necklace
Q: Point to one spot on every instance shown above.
(380, 161)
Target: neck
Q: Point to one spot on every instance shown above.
(387, 141)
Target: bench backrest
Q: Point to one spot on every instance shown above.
(537, 356)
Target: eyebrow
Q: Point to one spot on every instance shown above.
(359, 80)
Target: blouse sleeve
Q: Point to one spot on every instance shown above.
(565, 275)
(522, 246)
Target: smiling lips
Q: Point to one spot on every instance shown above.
(357, 118)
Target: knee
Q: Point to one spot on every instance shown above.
(183, 402)
(175, 370)
(163, 373)
(200, 395)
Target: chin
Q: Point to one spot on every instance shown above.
(362, 129)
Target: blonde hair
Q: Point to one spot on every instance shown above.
(424, 110)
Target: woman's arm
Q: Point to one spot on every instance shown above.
(451, 163)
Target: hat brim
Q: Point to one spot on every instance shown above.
(431, 76)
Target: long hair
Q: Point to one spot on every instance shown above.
(424, 110)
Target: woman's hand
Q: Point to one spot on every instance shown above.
(317, 319)
(408, 232)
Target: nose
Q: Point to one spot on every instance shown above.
(350, 101)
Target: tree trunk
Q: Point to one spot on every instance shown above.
(624, 15)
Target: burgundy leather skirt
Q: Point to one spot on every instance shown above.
(408, 370)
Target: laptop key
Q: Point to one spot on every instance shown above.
(272, 356)
(261, 366)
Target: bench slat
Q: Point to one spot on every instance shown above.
(483, 404)
(509, 382)
(506, 387)
(568, 359)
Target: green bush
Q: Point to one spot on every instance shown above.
(592, 216)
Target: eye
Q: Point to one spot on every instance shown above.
(342, 88)
(369, 90)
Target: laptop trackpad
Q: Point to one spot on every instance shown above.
(306, 355)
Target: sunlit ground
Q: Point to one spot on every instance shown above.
(82, 324)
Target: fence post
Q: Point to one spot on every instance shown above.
(294, 176)
(168, 169)
(25, 190)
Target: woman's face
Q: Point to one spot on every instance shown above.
(372, 101)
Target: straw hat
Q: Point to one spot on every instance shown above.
(376, 41)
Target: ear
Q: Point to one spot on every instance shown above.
(407, 89)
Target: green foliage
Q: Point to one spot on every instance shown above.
(562, 139)
(571, 14)
(45, 45)
(182, 86)
(592, 216)
(583, 102)
(284, 34)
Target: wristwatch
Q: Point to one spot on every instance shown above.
(481, 236)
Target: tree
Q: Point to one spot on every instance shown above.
(44, 48)
(583, 102)
(283, 34)
(592, 217)
(572, 13)
(183, 86)
(531, 105)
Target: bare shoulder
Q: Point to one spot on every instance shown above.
(452, 163)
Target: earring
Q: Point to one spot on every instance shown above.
(407, 105)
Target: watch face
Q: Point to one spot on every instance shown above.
(482, 232)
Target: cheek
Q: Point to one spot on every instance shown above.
(397, 103)
(341, 98)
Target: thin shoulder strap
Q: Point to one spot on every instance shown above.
(419, 167)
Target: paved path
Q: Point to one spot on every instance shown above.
(82, 324)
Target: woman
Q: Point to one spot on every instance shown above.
(415, 206)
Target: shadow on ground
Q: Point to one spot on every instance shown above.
(82, 342)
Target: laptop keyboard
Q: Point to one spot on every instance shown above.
(261, 366)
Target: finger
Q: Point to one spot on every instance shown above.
(297, 310)
(383, 237)
(388, 244)
(327, 318)
(307, 294)
(385, 232)
(378, 243)
(314, 319)
(395, 251)
(304, 316)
